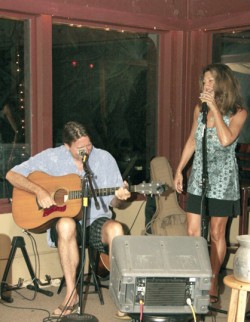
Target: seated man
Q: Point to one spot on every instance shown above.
(68, 159)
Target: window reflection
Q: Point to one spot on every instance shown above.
(107, 80)
(13, 149)
(233, 49)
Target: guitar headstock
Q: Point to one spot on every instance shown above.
(150, 188)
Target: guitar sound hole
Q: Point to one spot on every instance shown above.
(59, 196)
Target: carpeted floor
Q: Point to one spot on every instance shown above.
(28, 306)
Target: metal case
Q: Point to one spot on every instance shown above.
(161, 272)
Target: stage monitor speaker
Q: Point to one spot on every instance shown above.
(162, 272)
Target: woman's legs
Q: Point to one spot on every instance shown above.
(193, 224)
(218, 250)
(218, 245)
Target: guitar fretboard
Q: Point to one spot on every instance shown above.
(99, 192)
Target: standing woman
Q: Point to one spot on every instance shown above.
(225, 118)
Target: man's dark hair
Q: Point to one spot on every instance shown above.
(73, 131)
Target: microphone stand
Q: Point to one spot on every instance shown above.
(204, 219)
(86, 183)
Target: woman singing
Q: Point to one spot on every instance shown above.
(225, 118)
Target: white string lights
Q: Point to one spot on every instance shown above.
(20, 94)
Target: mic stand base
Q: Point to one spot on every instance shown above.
(78, 317)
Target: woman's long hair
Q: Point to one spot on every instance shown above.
(227, 89)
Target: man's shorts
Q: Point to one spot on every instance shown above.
(93, 234)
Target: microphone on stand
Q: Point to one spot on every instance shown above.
(83, 154)
(204, 110)
(80, 316)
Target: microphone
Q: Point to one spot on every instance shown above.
(83, 154)
(204, 109)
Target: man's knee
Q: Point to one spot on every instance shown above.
(66, 226)
(112, 229)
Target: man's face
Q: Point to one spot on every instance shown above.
(83, 143)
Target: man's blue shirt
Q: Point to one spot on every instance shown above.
(59, 161)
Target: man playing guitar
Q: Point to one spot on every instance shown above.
(65, 232)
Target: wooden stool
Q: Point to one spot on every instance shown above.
(237, 306)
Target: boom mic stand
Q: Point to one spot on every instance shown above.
(204, 219)
(86, 182)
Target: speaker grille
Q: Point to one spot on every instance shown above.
(162, 291)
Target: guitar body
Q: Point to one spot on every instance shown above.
(66, 191)
(103, 268)
(28, 215)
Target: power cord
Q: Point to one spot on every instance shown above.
(35, 251)
(141, 310)
(189, 303)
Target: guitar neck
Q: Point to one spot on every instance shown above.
(105, 191)
(99, 192)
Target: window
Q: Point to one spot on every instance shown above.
(107, 80)
(14, 119)
(233, 49)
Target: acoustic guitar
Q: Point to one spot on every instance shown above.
(103, 268)
(66, 191)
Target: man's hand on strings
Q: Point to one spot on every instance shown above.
(44, 199)
(123, 193)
